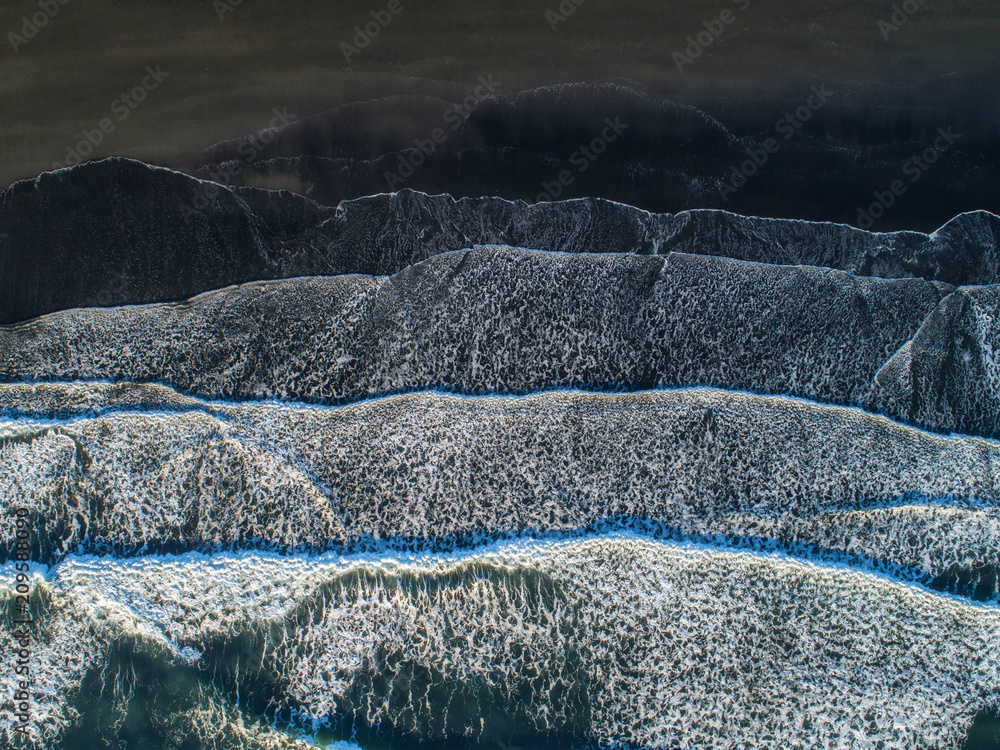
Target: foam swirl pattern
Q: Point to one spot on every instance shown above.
(499, 319)
(439, 469)
(619, 639)
(948, 375)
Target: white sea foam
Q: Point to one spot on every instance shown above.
(430, 469)
(497, 319)
(621, 637)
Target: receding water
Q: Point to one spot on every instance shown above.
(564, 644)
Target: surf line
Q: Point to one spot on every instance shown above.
(21, 634)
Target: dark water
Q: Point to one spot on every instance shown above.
(226, 76)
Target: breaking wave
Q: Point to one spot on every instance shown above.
(609, 639)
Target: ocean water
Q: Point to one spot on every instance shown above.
(584, 376)
(585, 642)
